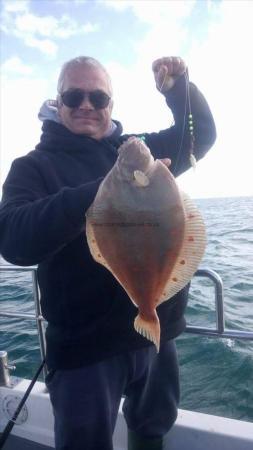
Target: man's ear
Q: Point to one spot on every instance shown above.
(58, 105)
(57, 101)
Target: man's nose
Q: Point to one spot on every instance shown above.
(86, 103)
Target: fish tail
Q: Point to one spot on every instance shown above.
(149, 328)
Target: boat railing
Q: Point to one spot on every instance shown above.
(219, 331)
(38, 314)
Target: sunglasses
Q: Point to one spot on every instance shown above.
(73, 98)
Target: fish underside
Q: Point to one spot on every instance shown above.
(148, 233)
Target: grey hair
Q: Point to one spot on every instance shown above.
(78, 62)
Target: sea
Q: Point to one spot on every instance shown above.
(216, 373)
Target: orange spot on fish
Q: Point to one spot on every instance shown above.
(190, 238)
(174, 279)
(182, 261)
(99, 256)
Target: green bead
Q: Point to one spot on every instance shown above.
(190, 116)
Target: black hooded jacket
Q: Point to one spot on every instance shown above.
(42, 222)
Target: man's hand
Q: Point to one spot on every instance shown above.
(166, 71)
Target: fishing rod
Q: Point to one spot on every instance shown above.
(12, 421)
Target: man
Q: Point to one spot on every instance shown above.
(94, 355)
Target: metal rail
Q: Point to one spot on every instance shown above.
(38, 314)
(219, 331)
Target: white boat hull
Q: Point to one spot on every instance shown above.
(192, 431)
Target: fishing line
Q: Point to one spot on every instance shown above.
(190, 121)
(187, 105)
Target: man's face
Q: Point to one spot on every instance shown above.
(85, 119)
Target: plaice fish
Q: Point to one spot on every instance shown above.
(148, 233)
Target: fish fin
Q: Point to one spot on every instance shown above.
(150, 329)
(92, 243)
(191, 253)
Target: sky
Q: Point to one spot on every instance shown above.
(214, 37)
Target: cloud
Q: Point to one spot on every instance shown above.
(89, 28)
(222, 69)
(49, 26)
(74, 2)
(153, 12)
(167, 29)
(79, 2)
(46, 46)
(162, 11)
(220, 66)
(21, 99)
(116, 4)
(41, 32)
(14, 65)
(165, 37)
(16, 6)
